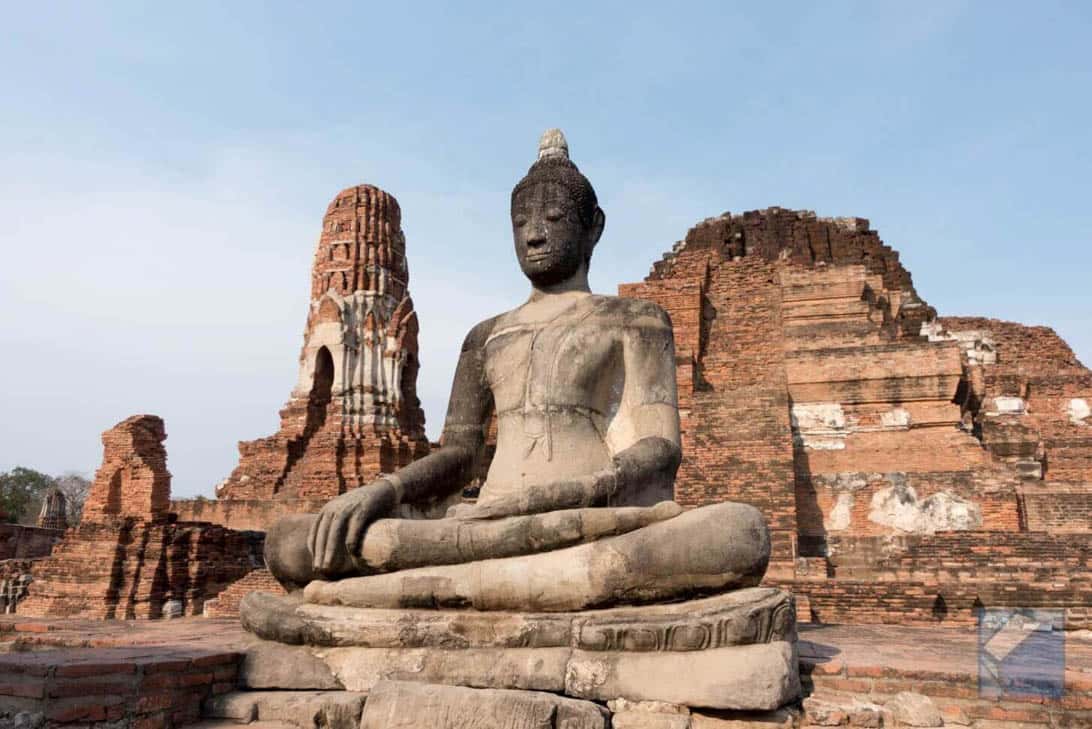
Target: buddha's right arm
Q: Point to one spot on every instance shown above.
(451, 467)
(337, 532)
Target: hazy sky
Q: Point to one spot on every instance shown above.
(164, 169)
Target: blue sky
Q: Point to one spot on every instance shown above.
(164, 171)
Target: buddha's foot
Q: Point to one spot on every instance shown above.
(709, 549)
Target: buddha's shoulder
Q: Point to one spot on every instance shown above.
(628, 312)
(479, 333)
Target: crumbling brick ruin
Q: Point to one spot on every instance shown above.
(21, 547)
(354, 412)
(129, 557)
(912, 468)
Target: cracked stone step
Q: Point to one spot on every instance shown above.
(296, 709)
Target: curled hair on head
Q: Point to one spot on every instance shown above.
(554, 166)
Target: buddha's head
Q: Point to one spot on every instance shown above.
(556, 219)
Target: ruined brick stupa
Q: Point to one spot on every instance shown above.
(354, 412)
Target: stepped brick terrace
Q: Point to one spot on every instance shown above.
(912, 468)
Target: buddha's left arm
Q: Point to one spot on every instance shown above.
(644, 433)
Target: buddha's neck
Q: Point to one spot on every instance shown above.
(577, 283)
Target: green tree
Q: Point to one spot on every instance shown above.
(21, 488)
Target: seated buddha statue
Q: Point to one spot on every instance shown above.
(575, 511)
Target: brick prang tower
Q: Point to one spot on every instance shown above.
(354, 412)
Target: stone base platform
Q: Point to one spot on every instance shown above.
(730, 651)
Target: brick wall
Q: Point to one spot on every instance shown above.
(226, 604)
(158, 687)
(947, 577)
(1057, 509)
(126, 569)
(133, 480)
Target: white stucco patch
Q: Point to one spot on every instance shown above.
(819, 425)
(1006, 405)
(978, 346)
(896, 418)
(1078, 411)
(898, 507)
(841, 515)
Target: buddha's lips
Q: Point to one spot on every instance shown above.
(539, 255)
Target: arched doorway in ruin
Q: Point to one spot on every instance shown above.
(318, 401)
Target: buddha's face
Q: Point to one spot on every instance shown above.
(551, 241)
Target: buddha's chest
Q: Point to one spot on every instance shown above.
(555, 364)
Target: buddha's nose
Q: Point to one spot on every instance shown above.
(536, 236)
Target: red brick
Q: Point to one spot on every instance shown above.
(195, 679)
(90, 686)
(27, 688)
(75, 670)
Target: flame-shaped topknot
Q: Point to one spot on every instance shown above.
(552, 144)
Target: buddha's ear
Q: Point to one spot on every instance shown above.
(599, 219)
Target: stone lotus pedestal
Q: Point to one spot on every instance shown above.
(736, 650)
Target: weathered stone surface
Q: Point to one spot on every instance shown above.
(397, 544)
(750, 615)
(754, 677)
(304, 709)
(913, 709)
(23, 719)
(648, 720)
(534, 669)
(623, 704)
(738, 677)
(626, 714)
(712, 548)
(401, 704)
(269, 665)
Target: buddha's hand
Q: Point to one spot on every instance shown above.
(339, 530)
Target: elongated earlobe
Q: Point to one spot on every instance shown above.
(599, 221)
